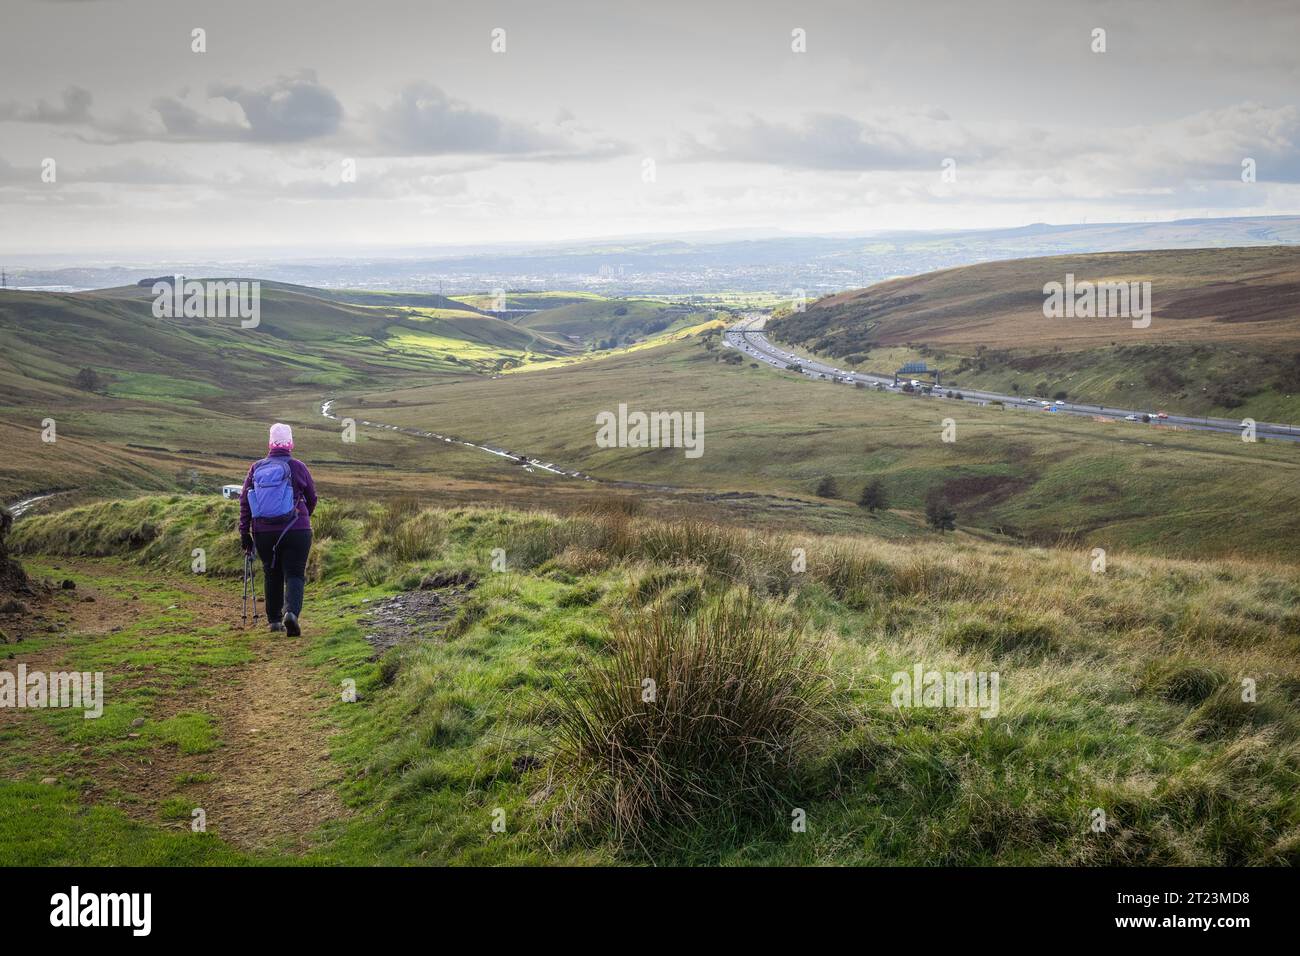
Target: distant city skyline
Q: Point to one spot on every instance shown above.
(332, 128)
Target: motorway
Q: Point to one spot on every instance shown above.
(747, 336)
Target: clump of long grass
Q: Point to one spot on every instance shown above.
(407, 537)
(719, 548)
(1179, 681)
(575, 561)
(330, 519)
(1000, 631)
(624, 506)
(688, 717)
(543, 537)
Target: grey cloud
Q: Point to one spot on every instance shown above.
(421, 120)
(424, 121)
(1203, 146)
(11, 174)
(389, 185)
(134, 172)
(291, 109)
(833, 141)
(128, 172)
(75, 108)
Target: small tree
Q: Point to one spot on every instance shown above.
(88, 380)
(939, 514)
(873, 496)
(827, 488)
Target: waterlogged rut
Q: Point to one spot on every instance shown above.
(774, 502)
(529, 464)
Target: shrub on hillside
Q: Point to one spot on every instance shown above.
(88, 380)
(939, 514)
(690, 717)
(873, 496)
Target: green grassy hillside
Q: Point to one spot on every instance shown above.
(590, 319)
(609, 323)
(1009, 471)
(1121, 693)
(185, 403)
(172, 401)
(302, 339)
(530, 300)
(1224, 337)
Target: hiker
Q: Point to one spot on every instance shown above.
(275, 509)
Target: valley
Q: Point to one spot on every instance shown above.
(483, 557)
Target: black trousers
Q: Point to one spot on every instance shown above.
(285, 581)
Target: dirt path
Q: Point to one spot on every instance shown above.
(273, 782)
(269, 782)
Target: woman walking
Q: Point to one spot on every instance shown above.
(275, 510)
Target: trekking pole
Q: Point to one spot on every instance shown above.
(252, 584)
(244, 606)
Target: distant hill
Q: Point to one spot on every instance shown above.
(702, 264)
(138, 400)
(305, 336)
(587, 318)
(608, 322)
(1224, 333)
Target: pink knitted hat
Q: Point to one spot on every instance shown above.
(281, 436)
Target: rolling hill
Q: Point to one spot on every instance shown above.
(305, 337)
(588, 319)
(608, 323)
(141, 402)
(180, 397)
(778, 435)
(1224, 335)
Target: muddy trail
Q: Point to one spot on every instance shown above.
(266, 781)
(418, 615)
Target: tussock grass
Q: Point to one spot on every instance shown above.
(689, 716)
(1181, 682)
(407, 537)
(999, 631)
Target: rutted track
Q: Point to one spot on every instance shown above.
(527, 463)
(774, 501)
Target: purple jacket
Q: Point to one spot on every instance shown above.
(304, 491)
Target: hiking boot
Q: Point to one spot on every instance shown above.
(277, 626)
(291, 624)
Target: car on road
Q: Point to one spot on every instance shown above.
(1162, 415)
(231, 491)
(1131, 418)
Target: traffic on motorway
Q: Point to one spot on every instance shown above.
(747, 336)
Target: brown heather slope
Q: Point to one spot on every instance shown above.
(1246, 296)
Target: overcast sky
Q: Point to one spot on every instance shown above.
(604, 118)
